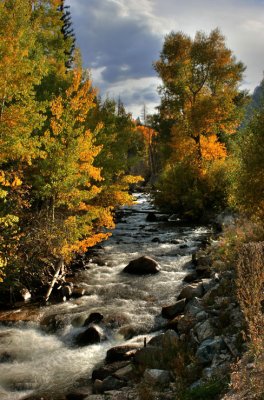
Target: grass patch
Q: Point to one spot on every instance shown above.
(211, 390)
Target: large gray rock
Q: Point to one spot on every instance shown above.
(126, 373)
(172, 311)
(165, 340)
(194, 306)
(89, 336)
(191, 291)
(156, 377)
(142, 266)
(204, 330)
(207, 350)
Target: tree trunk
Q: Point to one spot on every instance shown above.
(60, 268)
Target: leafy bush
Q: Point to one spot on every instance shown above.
(190, 189)
(247, 184)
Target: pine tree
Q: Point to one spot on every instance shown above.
(68, 33)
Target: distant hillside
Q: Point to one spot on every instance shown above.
(257, 100)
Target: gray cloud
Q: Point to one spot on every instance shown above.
(121, 43)
(120, 39)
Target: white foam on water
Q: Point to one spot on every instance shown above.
(40, 362)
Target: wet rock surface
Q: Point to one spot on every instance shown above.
(90, 336)
(142, 266)
(172, 311)
(121, 353)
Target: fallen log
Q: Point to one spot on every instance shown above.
(59, 272)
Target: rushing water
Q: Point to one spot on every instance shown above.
(34, 360)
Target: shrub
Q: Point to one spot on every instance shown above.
(190, 189)
(247, 178)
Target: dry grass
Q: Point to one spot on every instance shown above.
(250, 290)
(247, 379)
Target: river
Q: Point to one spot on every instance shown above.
(34, 360)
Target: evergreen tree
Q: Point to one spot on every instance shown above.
(68, 33)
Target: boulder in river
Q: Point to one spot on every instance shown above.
(121, 353)
(89, 336)
(78, 292)
(151, 217)
(94, 317)
(142, 266)
(5, 357)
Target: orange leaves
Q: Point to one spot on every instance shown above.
(81, 96)
(147, 132)
(211, 148)
(183, 146)
(129, 179)
(81, 246)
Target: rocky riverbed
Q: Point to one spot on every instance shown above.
(124, 333)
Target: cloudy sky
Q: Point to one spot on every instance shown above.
(120, 39)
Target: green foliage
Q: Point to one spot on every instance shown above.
(247, 180)
(121, 145)
(210, 390)
(189, 192)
